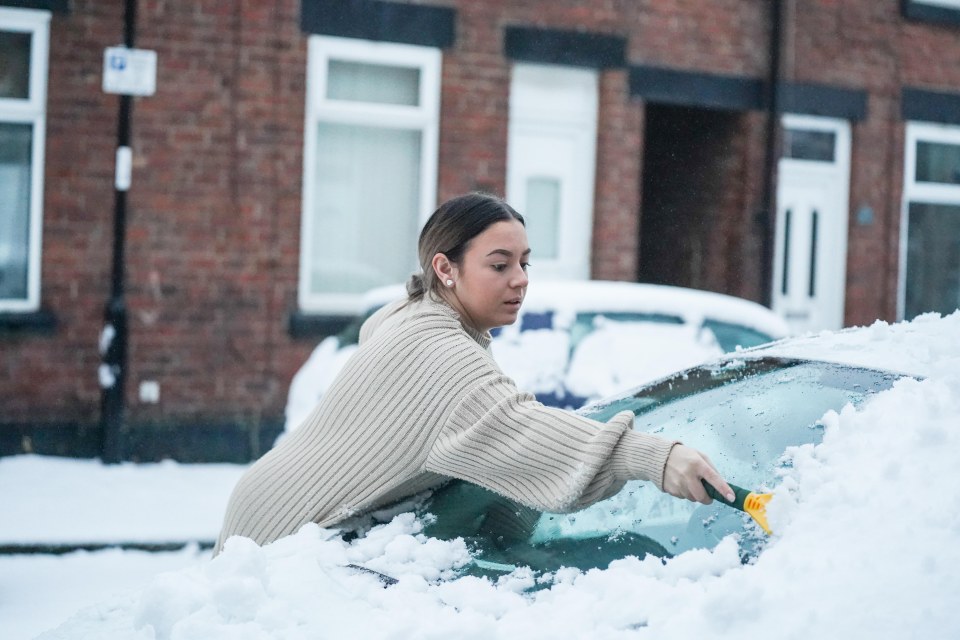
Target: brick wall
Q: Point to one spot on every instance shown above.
(47, 379)
(214, 240)
(869, 45)
(214, 211)
(616, 224)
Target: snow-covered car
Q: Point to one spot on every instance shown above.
(751, 412)
(577, 341)
(609, 336)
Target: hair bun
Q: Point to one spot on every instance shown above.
(415, 287)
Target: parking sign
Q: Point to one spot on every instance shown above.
(129, 71)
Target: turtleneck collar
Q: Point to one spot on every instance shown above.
(482, 338)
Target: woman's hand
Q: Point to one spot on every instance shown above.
(685, 469)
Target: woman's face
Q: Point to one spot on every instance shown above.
(491, 279)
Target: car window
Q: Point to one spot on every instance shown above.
(533, 320)
(585, 322)
(730, 336)
(743, 416)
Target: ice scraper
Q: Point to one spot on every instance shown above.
(754, 504)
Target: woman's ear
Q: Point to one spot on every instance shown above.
(443, 268)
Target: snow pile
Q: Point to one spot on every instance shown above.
(866, 545)
(928, 345)
(39, 591)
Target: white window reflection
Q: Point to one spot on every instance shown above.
(377, 83)
(542, 215)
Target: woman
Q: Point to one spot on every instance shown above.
(422, 402)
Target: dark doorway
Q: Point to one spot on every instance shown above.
(692, 196)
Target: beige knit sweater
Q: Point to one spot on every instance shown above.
(422, 401)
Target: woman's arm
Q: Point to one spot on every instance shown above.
(546, 458)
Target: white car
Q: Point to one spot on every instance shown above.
(577, 341)
(604, 337)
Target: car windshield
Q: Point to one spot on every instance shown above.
(743, 414)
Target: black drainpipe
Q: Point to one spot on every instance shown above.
(114, 367)
(768, 211)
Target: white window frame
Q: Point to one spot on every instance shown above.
(913, 190)
(32, 111)
(424, 117)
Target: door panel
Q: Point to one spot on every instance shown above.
(802, 259)
(811, 233)
(542, 185)
(550, 164)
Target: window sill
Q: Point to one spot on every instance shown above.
(54, 6)
(923, 12)
(301, 325)
(34, 322)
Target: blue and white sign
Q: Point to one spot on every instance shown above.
(129, 71)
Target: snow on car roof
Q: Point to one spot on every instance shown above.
(691, 304)
(917, 348)
(604, 295)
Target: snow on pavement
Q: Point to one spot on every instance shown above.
(65, 500)
(37, 592)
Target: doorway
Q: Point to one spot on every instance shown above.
(693, 168)
(810, 251)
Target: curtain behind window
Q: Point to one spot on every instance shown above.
(368, 184)
(933, 259)
(15, 143)
(366, 223)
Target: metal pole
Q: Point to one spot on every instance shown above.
(767, 213)
(113, 369)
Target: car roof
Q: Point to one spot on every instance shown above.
(589, 296)
(693, 305)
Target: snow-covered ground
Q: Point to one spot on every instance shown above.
(37, 592)
(64, 500)
(866, 545)
(59, 501)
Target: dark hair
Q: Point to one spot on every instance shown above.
(449, 231)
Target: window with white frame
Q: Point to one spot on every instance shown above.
(23, 96)
(370, 167)
(930, 235)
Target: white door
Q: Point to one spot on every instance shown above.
(550, 164)
(810, 257)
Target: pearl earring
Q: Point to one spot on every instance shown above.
(449, 283)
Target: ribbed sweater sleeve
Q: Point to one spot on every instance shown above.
(546, 458)
(421, 401)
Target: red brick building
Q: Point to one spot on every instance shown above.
(802, 154)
